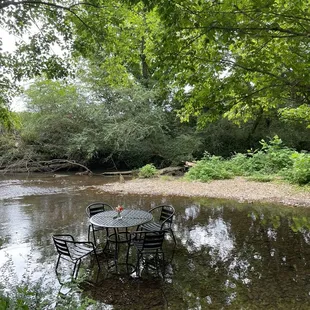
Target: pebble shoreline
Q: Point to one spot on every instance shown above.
(238, 189)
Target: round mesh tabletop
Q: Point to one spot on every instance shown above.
(129, 218)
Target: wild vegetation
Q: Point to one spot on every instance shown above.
(29, 296)
(138, 82)
(147, 171)
(271, 161)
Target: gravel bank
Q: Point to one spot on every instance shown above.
(238, 189)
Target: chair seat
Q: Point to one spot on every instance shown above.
(78, 251)
(151, 226)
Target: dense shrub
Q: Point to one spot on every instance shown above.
(300, 172)
(209, 168)
(238, 164)
(147, 171)
(277, 156)
(271, 160)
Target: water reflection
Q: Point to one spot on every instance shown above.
(228, 254)
(216, 236)
(191, 212)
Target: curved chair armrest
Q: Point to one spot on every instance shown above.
(168, 218)
(160, 206)
(154, 208)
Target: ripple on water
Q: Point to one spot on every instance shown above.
(14, 189)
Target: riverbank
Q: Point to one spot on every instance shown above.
(239, 189)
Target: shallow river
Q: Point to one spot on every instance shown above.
(228, 255)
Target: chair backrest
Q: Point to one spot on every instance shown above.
(153, 241)
(61, 244)
(167, 213)
(97, 207)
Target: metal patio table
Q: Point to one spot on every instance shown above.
(129, 218)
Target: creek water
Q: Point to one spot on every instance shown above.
(228, 255)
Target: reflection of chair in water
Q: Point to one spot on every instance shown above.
(93, 209)
(164, 220)
(73, 251)
(148, 245)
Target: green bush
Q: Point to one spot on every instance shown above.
(238, 164)
(273, 159)
(278, 157)
(26, 296)
(209, 168)
(147, 171)
(270, 159)
(300, 172)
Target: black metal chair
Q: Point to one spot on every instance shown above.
(73, 251)
(148, 245)
(93, 209)
(163, 217)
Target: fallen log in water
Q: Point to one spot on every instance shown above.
(53, 165)
(117, 172)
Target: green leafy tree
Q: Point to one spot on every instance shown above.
(246, 60)
(40, 29)
(121, 41)
(93, 124)
(107, 32)
(241, 60)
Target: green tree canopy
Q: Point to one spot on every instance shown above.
(237, 59)
(94, 124)
(38, 26)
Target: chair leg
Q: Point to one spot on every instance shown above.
(91, 230)
(57, 263)
(76, 268)
(94, 236)
(171, 231)
(128, 265)
(88, 233)
(139, 256)
(157, 264)
(107, 244)
(97, 260)
(163, 264)
(127, 254)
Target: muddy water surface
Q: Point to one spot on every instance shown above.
(228, 255)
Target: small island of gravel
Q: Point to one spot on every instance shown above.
(239, 189)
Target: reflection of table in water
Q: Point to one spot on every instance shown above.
(129, 218)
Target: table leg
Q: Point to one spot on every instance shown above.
(117, 238)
